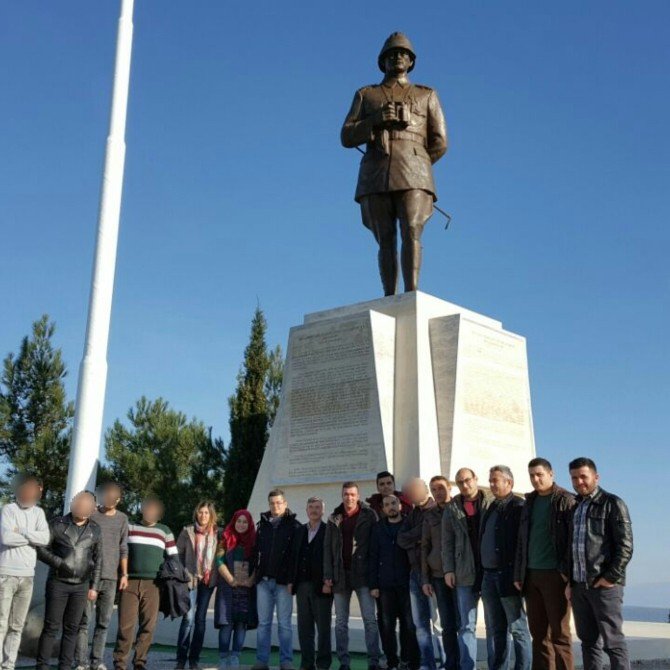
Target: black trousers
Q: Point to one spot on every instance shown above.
(314, 610)
(65, 605)
(395, 608)
(599, 621)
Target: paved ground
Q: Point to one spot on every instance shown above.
(163, 658)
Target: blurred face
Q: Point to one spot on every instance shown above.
(152, 511)
(203, 516)
(541, 479)
(417, 491)
(242, 524)
(315, 511)
(584, 480)
(28, 494)
(278, 505)
(397, 61)
(350, 498)
(440, 491)
(467, 483)
(385, 485)
(391, 507)
(111, 496)
(500, 485)
(82, 506)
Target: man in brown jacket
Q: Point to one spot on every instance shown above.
(432, 574)
(403, 128)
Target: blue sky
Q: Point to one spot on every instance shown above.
(237, 190)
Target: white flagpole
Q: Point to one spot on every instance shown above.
(85, 447)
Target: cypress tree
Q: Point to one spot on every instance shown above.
(249, 420)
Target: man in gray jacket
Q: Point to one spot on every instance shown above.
(23, 527)
(346, 570)
(460, 558)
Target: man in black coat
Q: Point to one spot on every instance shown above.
(389, 584)
(601, 545)
(313, 598)
(503, 607)
(74, 557)
(275, 534)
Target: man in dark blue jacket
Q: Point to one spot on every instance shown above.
(389, 583)
(503, 607)
(275, 534)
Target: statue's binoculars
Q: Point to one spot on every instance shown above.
(402, 113)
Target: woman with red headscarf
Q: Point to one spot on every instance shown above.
(235, 610)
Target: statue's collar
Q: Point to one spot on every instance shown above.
(390, 82)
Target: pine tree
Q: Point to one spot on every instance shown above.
(35, 416)
(162, 453)
(249, 420)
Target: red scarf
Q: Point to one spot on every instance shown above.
(231, 538)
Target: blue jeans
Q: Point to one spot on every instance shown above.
(467, 600)
(422, 616)
(367, 605)
(269, 595)
(237, 632)
(504, 614)
(195, 620)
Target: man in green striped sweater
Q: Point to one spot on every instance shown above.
(149, 543)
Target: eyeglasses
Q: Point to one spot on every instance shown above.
(463, 482)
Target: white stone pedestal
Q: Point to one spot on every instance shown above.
(409, 383)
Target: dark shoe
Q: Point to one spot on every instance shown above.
(259, 666)
(345, 667)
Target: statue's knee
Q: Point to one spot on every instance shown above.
(411, 231)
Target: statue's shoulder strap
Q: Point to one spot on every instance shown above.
(364, 89)
(423, 87)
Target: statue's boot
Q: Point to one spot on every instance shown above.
(411, 264)
(388, 270)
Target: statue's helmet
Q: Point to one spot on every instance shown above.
(396, 41)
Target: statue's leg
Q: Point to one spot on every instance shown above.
(379, 216)
(415, 207)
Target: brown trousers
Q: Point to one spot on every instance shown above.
(138, 604)
(549, 620)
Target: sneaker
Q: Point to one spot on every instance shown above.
(234, 660)
(81, 666)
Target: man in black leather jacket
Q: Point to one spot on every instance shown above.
(73, 555)
(601, 545)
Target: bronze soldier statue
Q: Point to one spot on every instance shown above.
(403, 128)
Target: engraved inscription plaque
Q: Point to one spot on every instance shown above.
(333, 412)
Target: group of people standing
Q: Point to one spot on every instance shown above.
(417, 560)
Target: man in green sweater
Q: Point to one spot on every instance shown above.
(149, 543)
(541, 567)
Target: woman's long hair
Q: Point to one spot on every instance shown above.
(212, 513)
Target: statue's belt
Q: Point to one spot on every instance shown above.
(407, 135)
